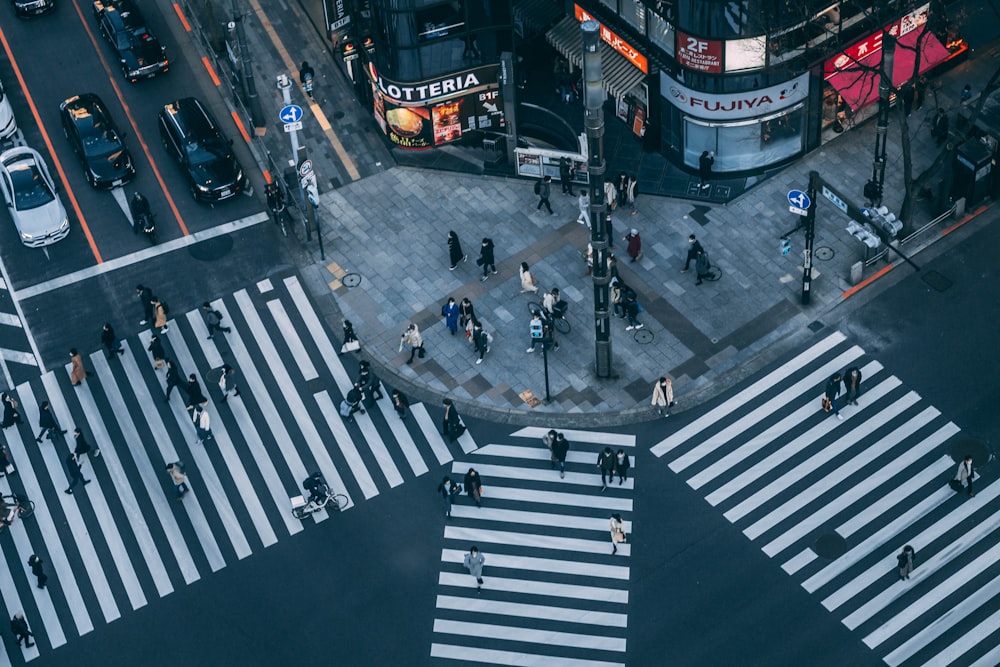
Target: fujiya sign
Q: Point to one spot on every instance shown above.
(733, 106)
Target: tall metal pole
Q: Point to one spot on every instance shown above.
(250, 88)
(302, 164)
(807, 254)
(874, 188)
(593, 102)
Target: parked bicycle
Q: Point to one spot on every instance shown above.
(558, 317)
(14, 506)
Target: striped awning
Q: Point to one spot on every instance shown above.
(620, 76)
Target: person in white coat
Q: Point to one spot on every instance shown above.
(965, 473)
(663, 396)
(617, 532)
(474, 562)
(584, 202)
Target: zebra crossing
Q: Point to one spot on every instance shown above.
(123, 541)
(834, 501)
(553, 593)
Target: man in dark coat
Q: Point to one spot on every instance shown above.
(852, 385)
(47, 422)
(487, 259)
(194, 395)
(705, 163)
(145, 296)
(451, 424)
(606, 462)
(565, 176)
(693, 247)
(831, 391)
(173, 377)
(939, 129)
(544, 192)
(560, 448)
(74, 473)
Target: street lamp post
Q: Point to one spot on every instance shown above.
(250, 88)
(593, 101)
(308, 192)
(874, 188)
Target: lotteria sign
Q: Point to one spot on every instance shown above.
(433, 90)
(734, 106)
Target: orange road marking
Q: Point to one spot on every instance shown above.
(180, 15)
(211, 71)
(868, 281)
(239, 125)
(267, 176)
(974, 214)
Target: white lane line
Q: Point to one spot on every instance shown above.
(25, 358)
(799, 561)
(152, 481)
(777, 458)
(287, 389)
(477, 606)
(346, 445)
(291, 338)
(15, 298)
(815, 462)
(129, 504)
(592, 437)
(402, 437)
(46, 524)
(540, 453)
(761, 411)
(512, 658)
(433, 436)
(489, 470)
(467, 442)
(200, 329)
(534, 541)
(848, 497)
(773, 431)
(10, 320)
(534, 496)
(265, 286)
(541, 588)
(747, 396)
(598, 642)
(589, 571)
(888, 532)
(102, 512)
(535, 518)
(984, 629)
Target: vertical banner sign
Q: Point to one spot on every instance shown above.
(701, 55)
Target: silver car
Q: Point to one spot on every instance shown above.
(8, 126)
(30, 195)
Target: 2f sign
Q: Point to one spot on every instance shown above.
(696, 45)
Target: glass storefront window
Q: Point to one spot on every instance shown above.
(661, 33)
(746, 145)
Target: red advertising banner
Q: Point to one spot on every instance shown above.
(614, 41)
(702, 55)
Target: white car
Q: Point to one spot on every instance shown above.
(8, 126)
(30, 195)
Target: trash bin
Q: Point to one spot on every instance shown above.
(972, 167)
(495, 150)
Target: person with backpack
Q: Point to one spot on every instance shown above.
(543, 189)
(213, 320)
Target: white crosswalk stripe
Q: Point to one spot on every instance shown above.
(834, 501)
(125, 539)
(553, 593)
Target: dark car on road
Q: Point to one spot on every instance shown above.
(96, 141)
(193, 138)
(27, 8)
(139, 51)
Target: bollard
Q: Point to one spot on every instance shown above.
(857, 272)
(959, 209)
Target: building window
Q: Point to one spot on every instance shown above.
(746, 145)
(633, 12)
(661, 33)
(439, 20)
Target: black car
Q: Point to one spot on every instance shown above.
(193, 138)
(33, 7)
(139, 52)
(96, 140)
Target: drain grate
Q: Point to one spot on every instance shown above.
(936, 281)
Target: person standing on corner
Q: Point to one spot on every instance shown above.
(474, 562)
(145, 296)
(178, 478)
(560, 448)
(74, 473)
(566, 176)
(663, 396)
(451, 423)
(705, 163)
(852, 385)
(692, 252)
(77, 373)
(634, 241)
(474, 486)
(832, 391)
(621, 186)
(907, 560)
(617, 532)
(449, 312)
(939, 129)
(83, 447)
(213, 320)
(543, 189)
(965, 473)
(606, 462)
(455, 253)
(609, 229)
(37, 566)
(448, 490)
(412, 338)
(610, 196)
(110, 341)
(622, 464)
(528, 282)
(487, 260)
(47, 422)
(400, 403)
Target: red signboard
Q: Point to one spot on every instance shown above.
(614, 41)
(872, 44)
(702, 55)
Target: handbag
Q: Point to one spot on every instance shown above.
(350, 346)
(159, 363)
(955, 485)
(619, 536)
(827, 404)
(9, 469)
(420, 352)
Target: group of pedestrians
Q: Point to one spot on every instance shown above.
(558, 447)
(612, 464)
(449, 490)
(849, 380)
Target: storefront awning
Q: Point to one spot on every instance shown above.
(620, 76)
(858, 84)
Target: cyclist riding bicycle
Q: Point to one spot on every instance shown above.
(275, 198)
(317, 488)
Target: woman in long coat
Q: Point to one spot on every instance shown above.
(455, 250)
(195, 397)
(663, 396)
(156, 349)
(474, 562)
(527, 280)
(77, 373)
(449, 312)
(159, 316)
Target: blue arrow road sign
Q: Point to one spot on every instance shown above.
(798, 199)
(293, 114)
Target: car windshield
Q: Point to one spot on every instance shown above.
(203, 153)
(99, 140)
(30, 189)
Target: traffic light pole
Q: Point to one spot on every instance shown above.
(807, 254)
(303, 169)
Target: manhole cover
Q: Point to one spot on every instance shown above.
(824, 253)
(338, 115)
(643, 336)
(211, 249)
(830, 546)
(351, 279)
(935, 280)
(815, 326)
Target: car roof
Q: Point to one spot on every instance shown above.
(190, 116)
(19, 153)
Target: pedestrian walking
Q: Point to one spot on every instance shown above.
(705, 163)
(160, 312)
(609, 231)
(702, 266)
(77, 373)
(173, 377)
(663, 396)
(466, 312)
(74, 473)
(543, 189)
(110, 342)
(354, 396)
(566, 176)
(213, 320)
(448, 490)
(369, 381)
(583, 202)
(47, 422)
(400, 403)
(692, 252)
(560, 448)
(487, 259)
(455, 253)
(852, 385)
(11, 411)
(634, 247)
(194, 395)
(622, 464)
(606, 462)
(351, 342)
(536, 329)
(178, 478)
(474, 562)
(156, 350)
(6, 464)
(480, 341)
(451, 422)
(610, 196)
(145, 296)
(528, 281)
(412, 338)
(632, 311)
(449, 312)
(202, 424)
(965, 473)
(474, 486)
(37, 566)
(631, 192)
(588, 259)
(939, 128)
(621, 185)
(907, 560)
(83, 447)
(617, 532)
(227, 382)
(830, 392)
(19, 627)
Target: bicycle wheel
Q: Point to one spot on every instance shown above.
(535, 307)
(339, 502)
(562, 325)
(25, 509)
(714, 274)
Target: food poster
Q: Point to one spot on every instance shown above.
(447, 122)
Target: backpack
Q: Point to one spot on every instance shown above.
(217, 314)
(538, 187)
